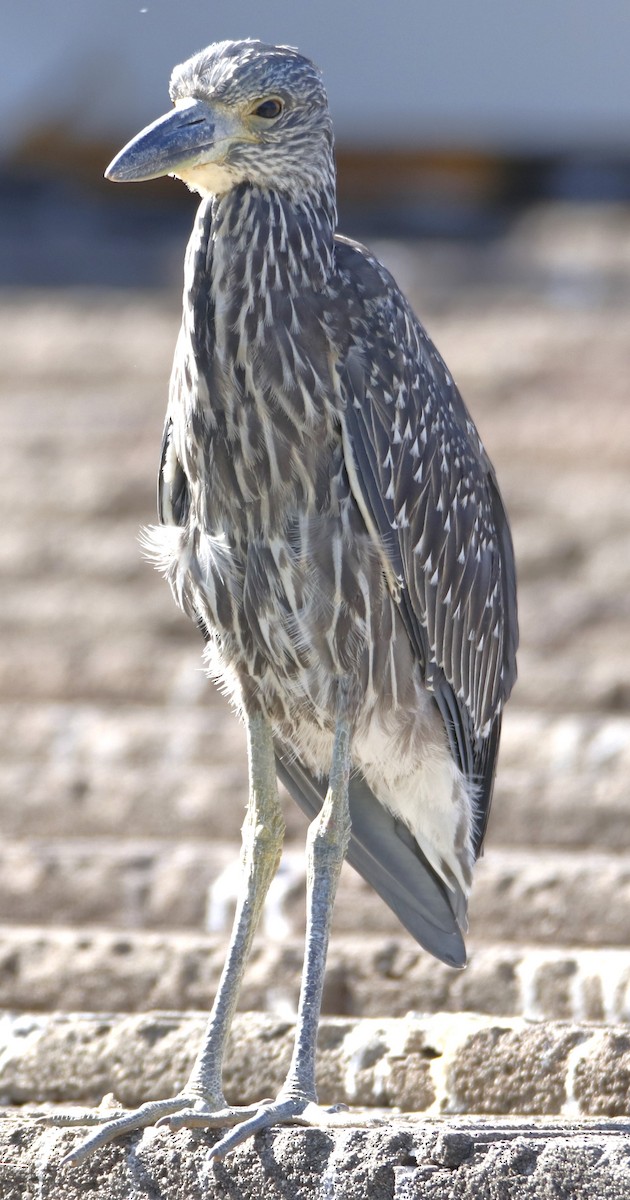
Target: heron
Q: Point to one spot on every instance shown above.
(329, 517)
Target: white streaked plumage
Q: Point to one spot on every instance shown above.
(330, 519)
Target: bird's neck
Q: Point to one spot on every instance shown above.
(274, 240)
(255, 355)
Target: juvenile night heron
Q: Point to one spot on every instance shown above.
(330, 518)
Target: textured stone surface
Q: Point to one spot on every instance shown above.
(599, 1086)
(48, 968)
(498, 1069)
(549, 897)
(440, 1063)
(400, 1160)
(86, 770)
(563, 781)
(553, 897)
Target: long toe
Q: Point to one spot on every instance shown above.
(283, 1111)
(200, 1118)
(191, 1112)
(110, 1128)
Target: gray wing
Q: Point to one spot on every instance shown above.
(384, 852)
(431, 493)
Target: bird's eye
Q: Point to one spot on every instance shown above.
(269, 109)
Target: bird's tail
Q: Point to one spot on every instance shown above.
(386, 854)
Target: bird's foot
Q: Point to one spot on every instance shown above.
(187, 1111)
(115, 1124)
(253, 1118)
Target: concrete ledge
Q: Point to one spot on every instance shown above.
(402, 1159)
(443, 1063)
(74, 969)
(527, 896)
(563, 781)
(180, 771)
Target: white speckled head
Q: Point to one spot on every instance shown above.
(290, 146)
(245, 112)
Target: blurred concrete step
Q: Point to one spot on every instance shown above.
(180, 770)
(549, 898)
(137, 771)
(70, 969)
(97, 642)
(463, 1063)
(563, 780)
(402, 1158)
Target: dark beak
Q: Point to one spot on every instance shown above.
(180, 137)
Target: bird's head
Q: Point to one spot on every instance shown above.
(245, 112)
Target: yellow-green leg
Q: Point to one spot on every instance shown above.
(327, 843)
(202, 1096)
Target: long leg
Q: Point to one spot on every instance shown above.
(327, 843)
(263, 832)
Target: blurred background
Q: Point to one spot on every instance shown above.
(484, 153)
(450, 118)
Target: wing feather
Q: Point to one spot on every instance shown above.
(173, 500)
(430, 490)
